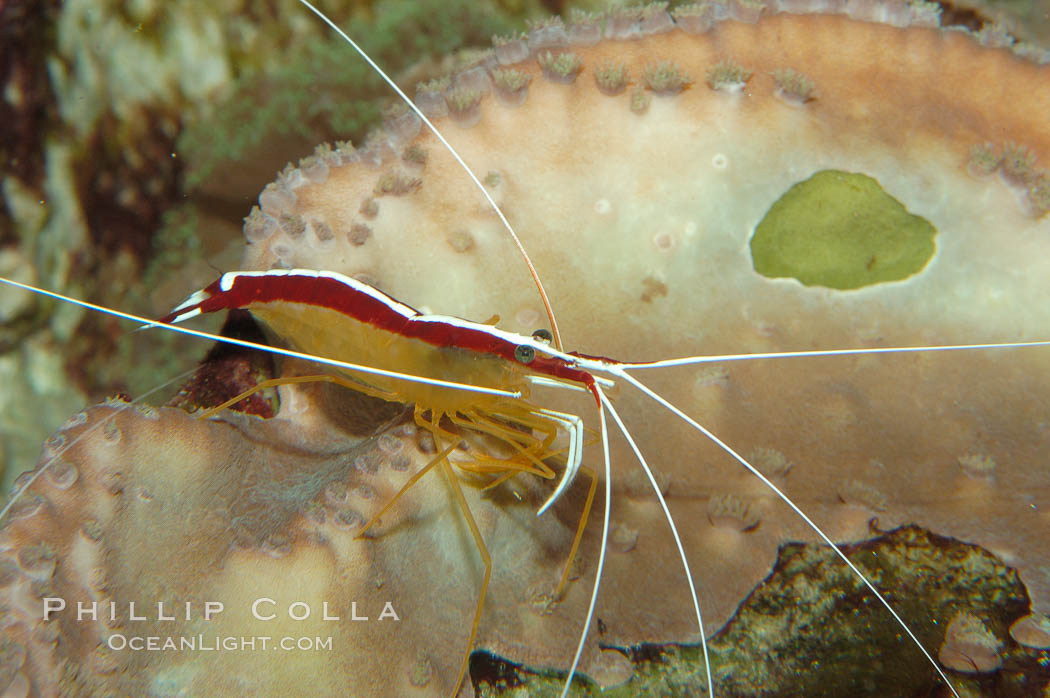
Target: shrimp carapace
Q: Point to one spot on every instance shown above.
(311, 310)
(331, 315)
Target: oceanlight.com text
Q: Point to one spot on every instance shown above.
(217, 643)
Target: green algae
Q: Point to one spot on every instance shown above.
(843, 231)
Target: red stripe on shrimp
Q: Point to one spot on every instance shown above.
(366, 304)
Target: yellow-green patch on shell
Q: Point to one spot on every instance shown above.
(841, 230)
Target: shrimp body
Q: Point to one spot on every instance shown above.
(329, 314)
(375, 330)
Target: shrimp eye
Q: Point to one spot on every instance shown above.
(543, 335)
(524, 353)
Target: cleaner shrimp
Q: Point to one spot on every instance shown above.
(856, 494)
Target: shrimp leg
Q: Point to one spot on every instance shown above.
(486, 558)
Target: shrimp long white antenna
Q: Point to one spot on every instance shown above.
(261, 347)
(691, 360)
(17, 494)
(616, 370)
(605, 539)
(677, 540)
(473, 177)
